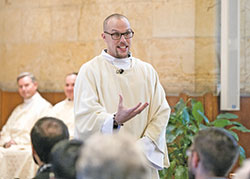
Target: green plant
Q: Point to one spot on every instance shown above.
(185, 122)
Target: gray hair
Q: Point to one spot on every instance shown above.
(217, 149)
(24, 74)
(111, 157)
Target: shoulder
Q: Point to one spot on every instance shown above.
(145, 66)
(59, 104)
(92, 68)
(95, 62)
(41, 100)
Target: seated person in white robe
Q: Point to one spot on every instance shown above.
(18, 126)
(15, 144)
(64, 110)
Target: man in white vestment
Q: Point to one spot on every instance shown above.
(15, 149)
(18, 126)
(64, 110)
(115, 80)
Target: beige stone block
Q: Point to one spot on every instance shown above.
(204, 86)
(62, 58)
(205, 55)
(22, 3)
(173, 54)
(173, 59)
(206, 64)
(49, 63)
(207, 14)
(65, 23)
(17, 58)
(59, 3)
(174, 18)
(2, 3)
(12, 25)
(108, 2)
(36, 26)
(1, 27)
(91, 27)
(141, 49)
(141, 19)
(247, 20)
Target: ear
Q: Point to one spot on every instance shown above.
(35, 84)
(195, 159)
(103, 36)
(33, 150)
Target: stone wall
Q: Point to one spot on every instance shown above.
(54, 37)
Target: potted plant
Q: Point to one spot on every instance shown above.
(185, 122)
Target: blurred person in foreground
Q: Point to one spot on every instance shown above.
(212, 155)
(101, 158)
(63, 158)
(46, 132)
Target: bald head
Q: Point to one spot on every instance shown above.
(113, 16)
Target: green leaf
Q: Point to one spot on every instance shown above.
(240, 128)
(233, 134)
(204, 117)
(185, 116)
(242, 155)
(193, 128)
(170, 128)
(202, 126)
(196, 107)
(221, 123)
(181, 172)
(227, 116)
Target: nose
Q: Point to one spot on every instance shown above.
(123, 38)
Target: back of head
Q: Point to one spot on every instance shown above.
(217, 150)
(111, 157)
(63, 158)
(46, 132)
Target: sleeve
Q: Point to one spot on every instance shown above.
(159, 115)
(90, 115)
(152, 153)
(5, 133)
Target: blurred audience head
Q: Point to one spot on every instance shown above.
(63, 158)
(213, 153)
(111, 157)
(46, 132)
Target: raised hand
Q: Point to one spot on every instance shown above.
(10, 143)
(124, 114)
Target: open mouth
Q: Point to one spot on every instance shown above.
(123, 48)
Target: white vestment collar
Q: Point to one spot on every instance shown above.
(123, 63)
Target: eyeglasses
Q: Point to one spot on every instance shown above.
(117, 35)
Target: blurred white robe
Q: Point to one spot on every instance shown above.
(64, 110)
(22, 119)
